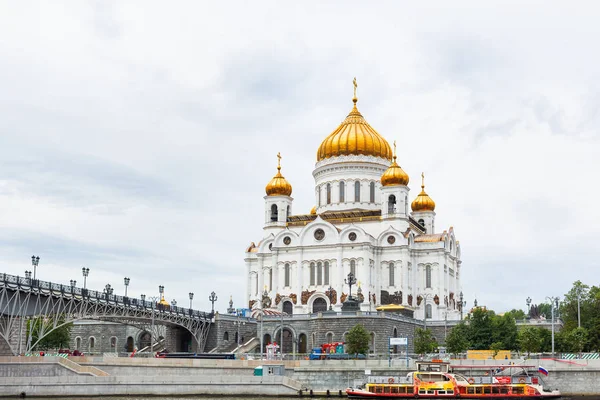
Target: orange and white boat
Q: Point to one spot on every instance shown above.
(432, 380)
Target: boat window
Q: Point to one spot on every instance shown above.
(379, 389)
(470, 390)
(487, 389)
(504, 390)
(451, 391)
(495, 389)
(386, 389)
(479, 390)
(441, 392)
(372, 389)
(518, 390)
(394, 389)
(409, 389)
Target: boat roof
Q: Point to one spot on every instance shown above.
(459, 366)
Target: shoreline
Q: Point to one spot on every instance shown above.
(111, 376)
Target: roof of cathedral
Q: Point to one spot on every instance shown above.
(423, 202)
(278, 186)
(436, 237)
(394, 175)
(354, 136)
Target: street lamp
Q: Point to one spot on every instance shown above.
(161, 290)
(72, 282)
(174, 303)
(578, 307)
(528, 301)
(351, 280)
(108, 290)
(553, 301)
(28, 275)
(212, 298)
(154, 299)
(263, 303)
(239, 322)
(86, 272)
(35, 261)
(462, 304)
(126, 282)
(191, 298)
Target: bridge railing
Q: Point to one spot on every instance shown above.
(50, 288)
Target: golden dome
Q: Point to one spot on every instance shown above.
(278, 186)
(394, 175)
(163, 301)
(313, 211)
(423, 202)
(354, 136)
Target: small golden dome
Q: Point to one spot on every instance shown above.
(278, 186)
(313, 211)
(354, 136)
(423, 202)
(394, 175)
(163, 301)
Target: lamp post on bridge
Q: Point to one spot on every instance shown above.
(212, 298)
(108, 290)
(191, 298)
(35, 261)
(28, 276)
(553, 300)
(73, 284)
(126, 282)
(528, 302)
(153, 299)
(174, 303)
(85, 271)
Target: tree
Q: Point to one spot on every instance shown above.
(56, 339)
(481, 332)
(505, 332)
(357, 340)
(517, 314)
(457, 340)
(577, 339)
(424, 341)
(529, 340)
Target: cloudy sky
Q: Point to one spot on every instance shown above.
(136, 137)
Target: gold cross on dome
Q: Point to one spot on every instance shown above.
(278, 160)
(355, 86)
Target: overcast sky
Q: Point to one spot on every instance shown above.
(136, 137)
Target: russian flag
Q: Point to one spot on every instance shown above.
(543, 370)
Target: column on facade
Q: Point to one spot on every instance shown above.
(274, 264)
(405, 279)
(261, 274)
(298, 284)
(339, 286)
(249, 282)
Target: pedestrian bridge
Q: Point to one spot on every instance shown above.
(48, 306)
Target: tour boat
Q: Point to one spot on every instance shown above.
(432, 380)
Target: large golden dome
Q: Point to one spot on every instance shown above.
(394, 175)
(354, 136)
(278, 186)
(423, 202)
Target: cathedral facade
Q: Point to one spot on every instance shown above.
(364, 228)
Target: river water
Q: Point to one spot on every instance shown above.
(242, 398)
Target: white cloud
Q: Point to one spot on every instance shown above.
(136, 139)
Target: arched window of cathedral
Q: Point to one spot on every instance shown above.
(319, 196)
(326, 273)
(342, 192)
(357, 192)
(288, 308)
(113, 342)
(329, 193)
(372, 343)
(319, 273)
(274, 212)
(287, 275)
(428, 311)
(353, 267)
(428, 276)
(372, 192)
(287, 214)
(319, 305)
(226, 336)
(92, 343)
(312, 274)
(451, 245)
(314, 339)
(392, 204)
(77, 343)
(392, 267)
(329, 337)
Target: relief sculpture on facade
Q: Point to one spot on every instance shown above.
(332, 296)
(294, 298)
(343, 297)
(410, 299)
(305, 296)
(436, 299)
(251, 303)
(277, 299)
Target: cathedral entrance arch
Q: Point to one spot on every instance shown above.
(288, 307)
(319, 305)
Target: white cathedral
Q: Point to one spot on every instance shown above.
(362, 225)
